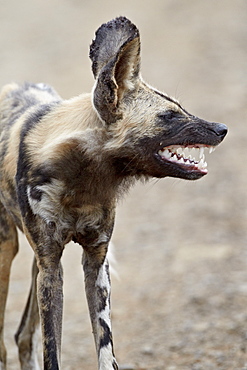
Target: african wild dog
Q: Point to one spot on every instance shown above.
(64, 164)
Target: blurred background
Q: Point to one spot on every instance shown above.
(180, 301)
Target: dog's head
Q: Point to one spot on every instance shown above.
(148, 132)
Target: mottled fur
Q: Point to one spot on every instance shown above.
(64, 164)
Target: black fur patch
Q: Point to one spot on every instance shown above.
(24, 162)
(102, 294)
(36, 194)
(107, 270)
(34, 118)
(50, 355)
(106, 337)
(115, 365)
(24, 176)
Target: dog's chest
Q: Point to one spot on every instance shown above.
(67, 217)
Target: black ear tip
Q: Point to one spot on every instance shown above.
(109, 38)
(123, 22)
(117, 24)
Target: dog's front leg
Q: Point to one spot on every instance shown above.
(50, 298)
(50, 294)
(98, 288)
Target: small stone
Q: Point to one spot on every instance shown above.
(147, 351)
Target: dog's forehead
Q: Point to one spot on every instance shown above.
(168, 103)
(161, 101)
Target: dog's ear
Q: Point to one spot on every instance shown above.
(115, 55)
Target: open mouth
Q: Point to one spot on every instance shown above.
(191, 157)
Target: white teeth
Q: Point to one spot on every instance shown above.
(201, 151)
(185, 152)
(166, 153)
(201, 164)
(181, 156)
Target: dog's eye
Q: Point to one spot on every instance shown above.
(168, 115)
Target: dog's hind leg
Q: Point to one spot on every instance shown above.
(26, 336)
(8, 250)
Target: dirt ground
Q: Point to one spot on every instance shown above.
(180, 301)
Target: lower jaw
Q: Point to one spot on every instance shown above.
(186, 174)
(184, 171)
(194, 169)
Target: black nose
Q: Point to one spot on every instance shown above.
(221, 130)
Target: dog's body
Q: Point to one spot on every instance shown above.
(63, 165)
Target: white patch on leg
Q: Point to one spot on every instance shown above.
(112, 261)
(102, 282)
(106, 358)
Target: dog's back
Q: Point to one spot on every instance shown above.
(17, 103)
(16, 100)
